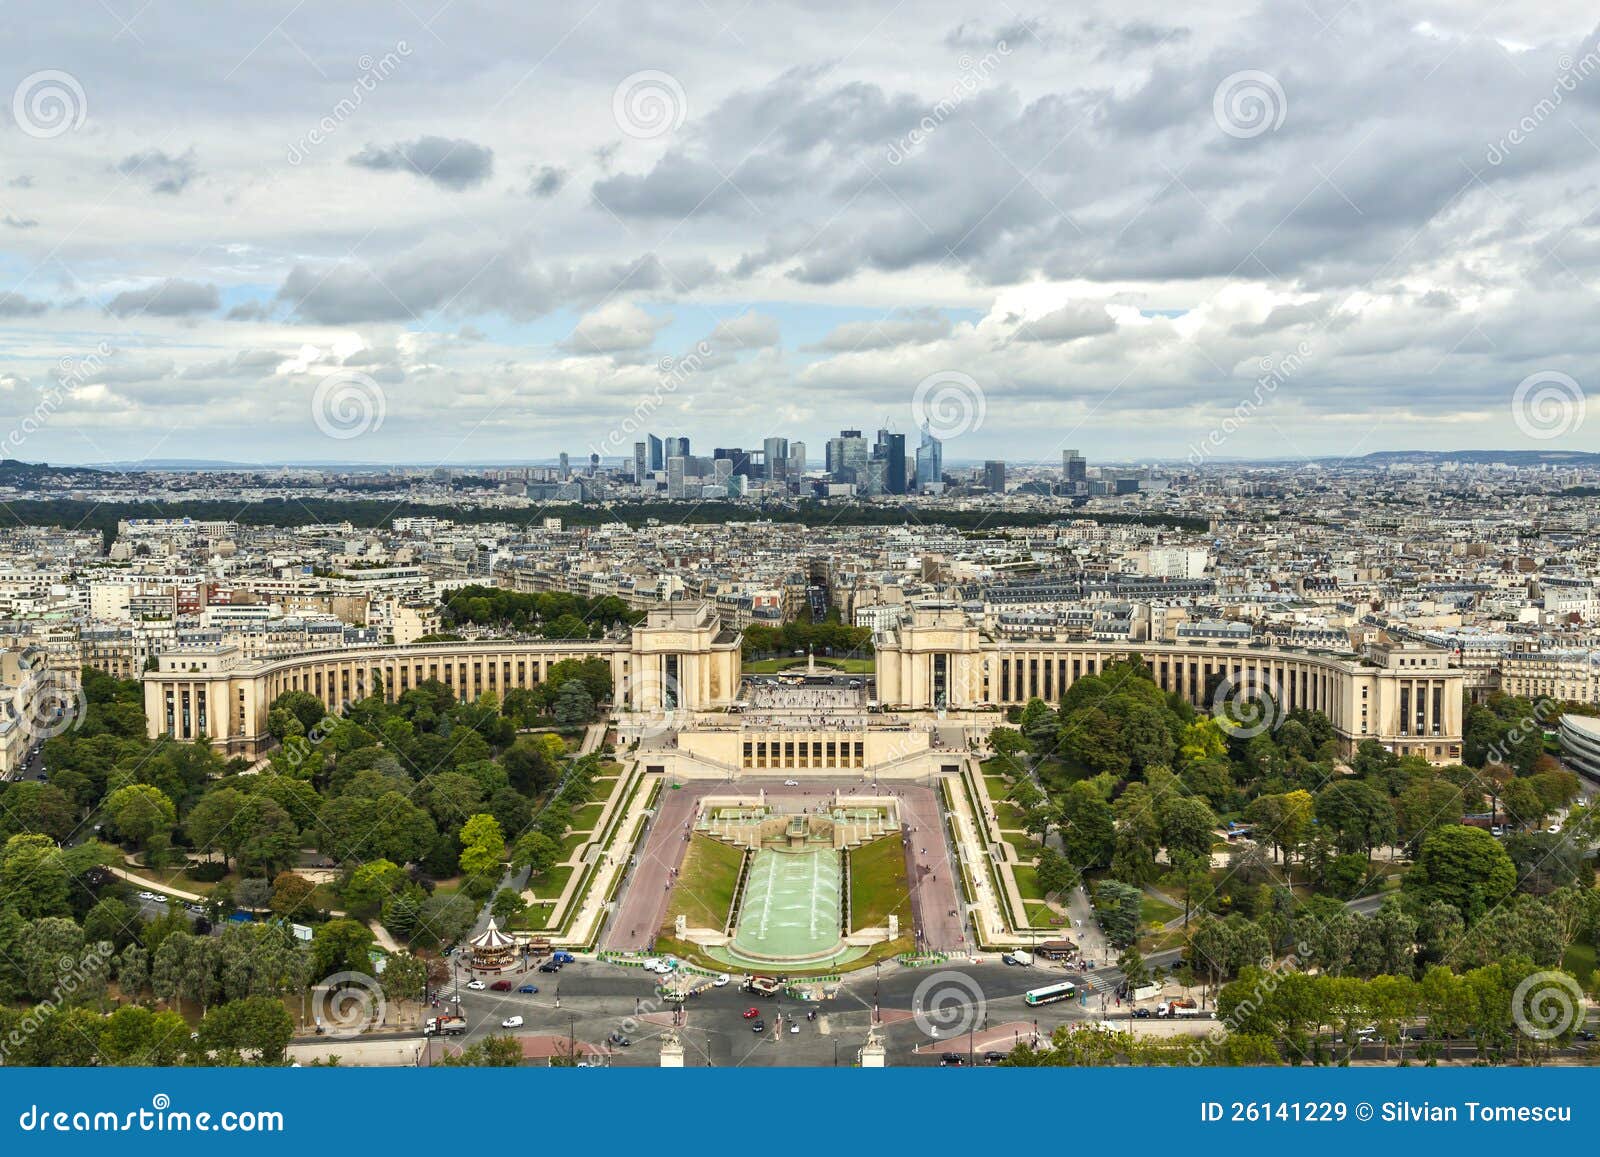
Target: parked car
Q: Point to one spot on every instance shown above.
(758, 1026)
(721, 979)
(952, 1060)
(791, 783)
(1141, 1014)
(500, 986)
(752, 1014)
(511, 1022)
(993, 1057)
(528, 988)
(1584, 1034)
(476, 985)
(559, 957)
(549, 966)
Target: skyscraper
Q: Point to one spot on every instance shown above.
(678, 447)
(776, 452)
(930, 460)
(892, 449)
(641, 461)
(658, 456)
(797, 460)
(1074, 470)
(994, 477)
(566, 466)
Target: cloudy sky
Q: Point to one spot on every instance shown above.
(434, 231)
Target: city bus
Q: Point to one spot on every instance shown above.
(1051, 992)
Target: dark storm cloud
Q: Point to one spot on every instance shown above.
(160, 172)
(171, 298)
(451, 164)
(16, 305)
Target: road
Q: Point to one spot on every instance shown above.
(591, 1000)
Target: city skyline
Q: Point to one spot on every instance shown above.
(332, 237)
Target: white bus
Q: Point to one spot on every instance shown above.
(1052, 992)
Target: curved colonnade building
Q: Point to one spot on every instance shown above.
(681, 659)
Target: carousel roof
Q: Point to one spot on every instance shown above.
(492, 937)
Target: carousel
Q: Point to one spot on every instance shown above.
(492, 949)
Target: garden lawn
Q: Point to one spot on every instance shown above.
(703, 893)
(878, 886)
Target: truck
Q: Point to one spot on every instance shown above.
(561, 957)
(767, 986)
(446, 1025)
(1177, 1008)
(1019, 957)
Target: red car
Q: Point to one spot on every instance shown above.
(500, 986)
(751, 1013)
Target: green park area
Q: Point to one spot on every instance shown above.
(878, 885)
(848, 666)
(703, 894)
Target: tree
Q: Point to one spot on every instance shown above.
(256, 1024)
(404, 976)
(291, 896)
(1055, 872)
(1426, 806)
(342, 946)
(1187, 825)
(304, 708)
(371, 885)
(534, 851)
(483, 848)
(111, 920)
(1118, 907)
(507, 905)
(1088, 827)
(139, 812)
(1523, 803)
(573, 705)
(1463, 867)
(1359, 818)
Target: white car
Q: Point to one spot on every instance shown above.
(794, 1027)
(158, 898)
(147, 895)
(791, 783)
(476, 985)
(511, 1022)
(1555, 829)
(720, 980)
